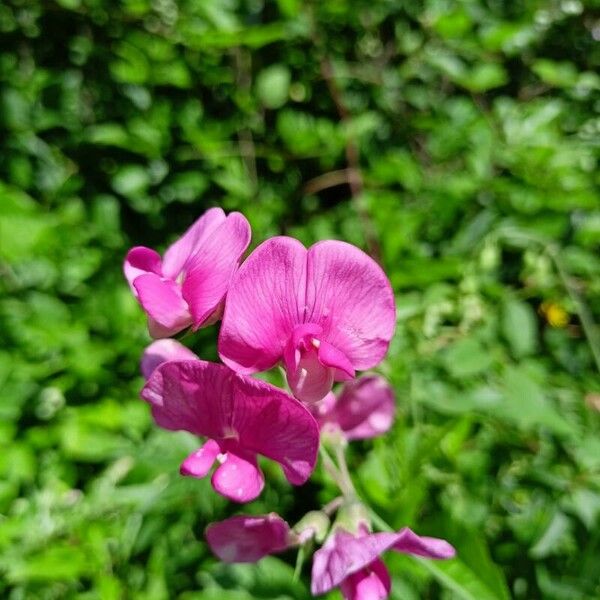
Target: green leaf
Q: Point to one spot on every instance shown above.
(57, 563)
(466, 358)
(525, 404)
(484, 77)
(456, 577)
(560, 74)
(273, 85)
(131, 180)
(519, 327)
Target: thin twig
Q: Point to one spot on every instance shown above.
(327, 180)
(243, 76)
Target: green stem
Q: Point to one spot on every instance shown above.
(299, 563)
(331, 507)
(348, 489)
(583, 312)
(586, 318)
(331, 468)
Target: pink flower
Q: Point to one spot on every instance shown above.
(325, 312)
(162, 351)
(187, 286)
(352, 561)
(364, 409)
(241, 416)
(248, 539)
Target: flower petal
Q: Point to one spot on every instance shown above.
(303, 336)
(247, 539)
(210, 270)
(140, 260)
(409, 542)
(350, 296)
(364, 409)
(199, 462)
(330, 356)
(191, 395)
(272, 423)
(265, 301)
(311, 381)
(239, 477)
(371, 583)
(344, 554)
(162, 351)
(211, 400)
(179, 252)
(162, 301)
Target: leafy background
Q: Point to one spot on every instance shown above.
(455, 141)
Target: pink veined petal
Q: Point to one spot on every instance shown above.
(370, 583)
(350, 296)
(139, 261)
(194, 396)
(265, 302)
(246, 539)
(409, 542)
(210, 269)
(211, 400)
(277, 426)
(162, 301)
(199, 462)
(364, 409)
(344, 554)
(178, 253)
(162, 351)
(332, 357)
(239, 477)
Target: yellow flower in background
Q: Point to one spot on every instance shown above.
(555, 315)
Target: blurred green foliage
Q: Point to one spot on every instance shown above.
(475, 126)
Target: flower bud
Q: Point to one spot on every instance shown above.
(313, 524)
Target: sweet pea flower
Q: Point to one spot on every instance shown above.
(325, 312)
(352, 561)
(161, 351)
(246, 538)
(364, 408)
(241, 416)
(187, 286)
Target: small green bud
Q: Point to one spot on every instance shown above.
(313, 524)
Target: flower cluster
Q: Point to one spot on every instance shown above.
(322, 313)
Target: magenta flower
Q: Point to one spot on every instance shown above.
(364, 409)
(352, 561)
(246, 539)
(241, 416)
(161, 351)
(325, 312)
(187, 286)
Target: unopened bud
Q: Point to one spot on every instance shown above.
(313, 524)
